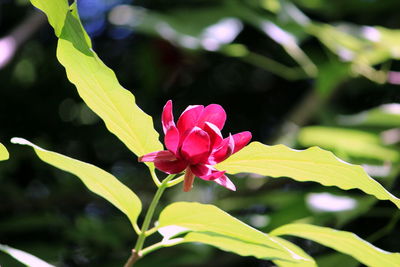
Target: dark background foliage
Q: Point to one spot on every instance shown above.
(52, 215)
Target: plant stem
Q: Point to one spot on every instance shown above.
(136, 228)
(151, 231)
(386, 229)
(147, 219)
(159, 245)
(154, 177)
(132, 259)
(176, 181)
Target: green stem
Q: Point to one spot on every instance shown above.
(176, 181)
(136, 228)
(266, 63)
(157, 246)
(152, 248)
(149, 214)
(154, 176)
(151, 231)
(386, 229)
(275, 67)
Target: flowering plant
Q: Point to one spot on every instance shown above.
(195, 145)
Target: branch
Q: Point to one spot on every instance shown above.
(20, 34)
(132, 259)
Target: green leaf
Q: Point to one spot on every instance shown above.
(211, 225)
(336, 259)
(313, 164)
(345, 242)
(363, 46)
(96, 83)
(336, 39)
(24, 257)
(386, 116)
(290, 32)
(388, 38)
(96, 179)
(330, 75)
(3, 153)
(353, 142)
(298, 251)
(173, 25)
(55, 11)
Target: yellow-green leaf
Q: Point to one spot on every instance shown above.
(342, 241)
(3, 152)
(386, 116)
(356, 143)
(96, 179)
(96, 83)
(298, 251)
(24, 257)
(244, 249)
(313, 164)
(211, 225)
(55, 11)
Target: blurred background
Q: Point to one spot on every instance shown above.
(301, 73)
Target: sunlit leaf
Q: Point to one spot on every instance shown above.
(313, 164)
(3, 152)
(289, 43)
(55, 11)
(353, 142)
(24, 257)
(96, 83)
(201, 33)
(96, 179)
(345, 242)
(387, 115)
(388, 38)
(298, 251)
(211, 225)
(349, 46)
(286, 32)
(364, 46)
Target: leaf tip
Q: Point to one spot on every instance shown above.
(20, 141)
(4, 155)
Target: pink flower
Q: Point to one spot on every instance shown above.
(195, 144)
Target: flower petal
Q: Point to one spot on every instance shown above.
(157, 155)
(165, 161)
(214, 175)
(171, 139)
(171, 167)
(225, 182)
(188, 180)
(212, 113)
(196, 146)
(167, 116)
(241, 140)
(214, 133)
(189, 118)
(223, 152)
(206, 172)
(201, 170)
